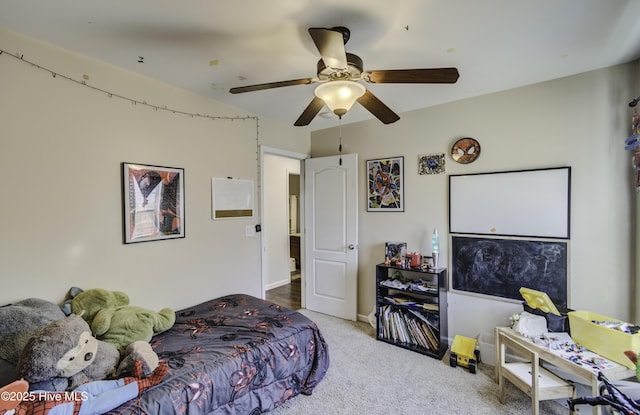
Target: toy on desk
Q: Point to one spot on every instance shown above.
(530, 325)
(464, 353)
(614, 397)
(539, 300)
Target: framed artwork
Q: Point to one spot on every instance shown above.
(153, 202)
(385, 185)
(395, 251)
(431, 163)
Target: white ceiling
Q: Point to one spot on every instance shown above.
(209, 46)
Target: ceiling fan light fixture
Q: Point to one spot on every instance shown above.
(339, 96)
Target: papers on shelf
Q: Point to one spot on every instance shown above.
(415, 285)
(410, 302)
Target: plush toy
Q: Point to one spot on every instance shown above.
(89, 303)
(95, 397)
(114, 321)
(138, 352)
(66, 348)
(66, 304)
(20, 320)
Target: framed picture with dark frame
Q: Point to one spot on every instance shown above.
(153, 202)
(385, 185)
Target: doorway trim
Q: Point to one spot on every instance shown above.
(295, 156)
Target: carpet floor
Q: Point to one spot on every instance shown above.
(371, 377)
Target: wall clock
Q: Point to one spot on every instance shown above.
(465, 150)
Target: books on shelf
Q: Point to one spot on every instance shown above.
(410, 327)
(401, 301)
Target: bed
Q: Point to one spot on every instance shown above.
(234, 355)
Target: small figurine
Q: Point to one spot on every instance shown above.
(514, 321)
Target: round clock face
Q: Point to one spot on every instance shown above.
(465, 150)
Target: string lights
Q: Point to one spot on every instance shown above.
(155, 107)
(132, 100)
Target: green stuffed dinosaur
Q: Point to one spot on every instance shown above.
(114, 321)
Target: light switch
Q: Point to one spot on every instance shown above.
(249, 231)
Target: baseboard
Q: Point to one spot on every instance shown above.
(276, 284)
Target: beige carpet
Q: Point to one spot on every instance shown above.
(370, 377)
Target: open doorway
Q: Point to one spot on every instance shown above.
(282, 235)
(295, 259)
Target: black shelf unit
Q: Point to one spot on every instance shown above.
(411, 309)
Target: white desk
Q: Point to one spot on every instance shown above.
(618, 372)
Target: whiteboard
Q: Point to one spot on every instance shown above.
(514, 203)
(231, 198)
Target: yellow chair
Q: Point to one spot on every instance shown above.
(529, 376)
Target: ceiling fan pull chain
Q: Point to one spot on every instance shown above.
(340, 146)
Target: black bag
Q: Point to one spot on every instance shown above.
(555, 323)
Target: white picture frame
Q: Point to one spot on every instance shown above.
(232, 198)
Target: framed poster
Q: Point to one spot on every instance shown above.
(431, 163)
(153, 202)
(385, 179)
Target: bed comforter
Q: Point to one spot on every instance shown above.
(234, 355)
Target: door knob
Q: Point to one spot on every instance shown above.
(352, 247)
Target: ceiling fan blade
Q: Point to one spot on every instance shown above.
(413, 76)
(259, 87)
(378, 108)
(310, 112)
(330, 44)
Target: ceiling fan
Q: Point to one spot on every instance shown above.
(336, 65)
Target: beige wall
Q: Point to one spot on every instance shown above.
(61, 148)
(579, 121)
(62, 145)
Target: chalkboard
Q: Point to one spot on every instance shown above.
(526, 203)
(499, 267)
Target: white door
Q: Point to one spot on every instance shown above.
(331, 235)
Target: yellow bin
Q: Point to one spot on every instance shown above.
(607, 342)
